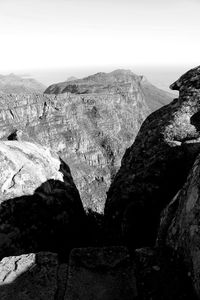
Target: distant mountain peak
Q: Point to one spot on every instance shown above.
(13, 83)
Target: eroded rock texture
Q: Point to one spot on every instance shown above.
(90, 126)
(156, 166)
(180, 224)
(101, 273)
(40, 207)
(32, 276)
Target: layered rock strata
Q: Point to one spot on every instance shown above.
(90, 128)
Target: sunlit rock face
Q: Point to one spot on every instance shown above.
(32, 276)
(24, 167)
(89, 126)
(40, 207)
(156, 166)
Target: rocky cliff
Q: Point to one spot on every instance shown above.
(157, 171)
(156, 166)
(100, 82)
(90, 128)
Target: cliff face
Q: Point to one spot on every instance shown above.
(179, 228)
(50, 217)
(154, 97)
(90, 129)
(155, 167)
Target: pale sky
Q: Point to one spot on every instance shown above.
(46, 34)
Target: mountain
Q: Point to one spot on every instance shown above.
(99, 82)
(41, 211)
(15, 84)
(89, 129)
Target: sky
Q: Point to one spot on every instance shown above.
(98, 34)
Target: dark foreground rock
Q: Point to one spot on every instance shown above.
(40, 207)
(159, 275)
(96, 274)
(180, 225)
(32, 277)
(156, 166)
(101, 273)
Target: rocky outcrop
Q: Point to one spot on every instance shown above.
(94, 273)
(154, 97)
(32, 276)
(179, 227)
(90, 129)
(156, 166)
(110, 269)
(161, 276)
(15, 84)
(40, 207)
(25, 166)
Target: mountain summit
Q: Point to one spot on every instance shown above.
(108, 83)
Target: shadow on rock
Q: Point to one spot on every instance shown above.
(52, 219)
(32, 276)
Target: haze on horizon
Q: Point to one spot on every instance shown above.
(98, 34)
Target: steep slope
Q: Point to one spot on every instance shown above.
(90, 130)
(15, 84)
(99, 82)
(155, 167)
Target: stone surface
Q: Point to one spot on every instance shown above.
(24, 166)
(180, 225)
(101, 274)
(38, 211)
(160, 276)
(90, 128)
(155, 167)
(154, 97)
(31, 277)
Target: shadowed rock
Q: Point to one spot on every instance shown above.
(32, 276)
(40, 207)
(155, 167)
(180, 225)
(101, 274)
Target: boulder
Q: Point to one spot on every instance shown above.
(32, 276)
(40, 207)
(102, 274)
(156, 166)
(180, 226)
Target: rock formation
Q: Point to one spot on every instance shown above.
(15, 84)
(43, 227)
(32, 276)
(179, 228)
(90, 128)
(40, 207)
(154, 97)
(156, 166)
